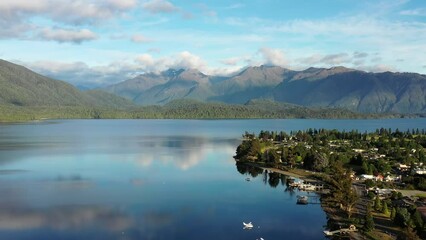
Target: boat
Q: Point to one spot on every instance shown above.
(307, 187)
(302, 200)
(247, 225)
(248, 179)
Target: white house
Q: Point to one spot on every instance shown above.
(366, 177)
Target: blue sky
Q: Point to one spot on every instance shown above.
(99, 42)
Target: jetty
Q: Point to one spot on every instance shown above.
(351, 228)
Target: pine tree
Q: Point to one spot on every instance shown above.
(369, 221)
(385, 209)
(393, 213)
(377, 204)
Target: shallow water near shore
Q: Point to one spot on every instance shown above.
(151, 179)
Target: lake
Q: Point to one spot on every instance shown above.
(150, 179)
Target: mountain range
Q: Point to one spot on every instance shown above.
(336, 87)
(254, 87)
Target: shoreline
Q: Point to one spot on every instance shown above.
(284, 172)
(333, 216)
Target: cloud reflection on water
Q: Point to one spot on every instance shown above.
(64, 218)
(182, 152)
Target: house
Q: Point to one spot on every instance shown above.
(358, 150)
(390, 178)
(419, 171)
(379, 177)
(403, 167)
(366, 177)
(371, 177)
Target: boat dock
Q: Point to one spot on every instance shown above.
(351, 228)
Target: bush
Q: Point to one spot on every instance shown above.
(371, 195)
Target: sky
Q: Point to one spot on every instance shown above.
(94, 43)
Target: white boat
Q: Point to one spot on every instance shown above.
(307, 187)
(247, 225)
(302, 200)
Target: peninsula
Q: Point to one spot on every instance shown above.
(376, 180)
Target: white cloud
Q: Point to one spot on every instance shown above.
(66, 11)
(159, 6)
(16, 15)
(414, 12)
(148, 63)
(139, 38)
(273, 56)
(67, 35)
(81, 74)
(16, 30)
(188, 60)
(123, 4)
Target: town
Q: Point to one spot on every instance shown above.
(376, 181)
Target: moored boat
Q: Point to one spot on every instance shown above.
(302, 200)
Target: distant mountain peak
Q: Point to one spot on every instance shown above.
(171, 72)
(341, 69)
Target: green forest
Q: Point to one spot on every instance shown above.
(178, 109)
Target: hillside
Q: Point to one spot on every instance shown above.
(314, 87)
(23, 87)
(358, 91)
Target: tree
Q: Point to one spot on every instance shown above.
(402, 217)
(417, 220)
(341, 188)
(385, 209)
(369, 221)
(364, 167)
(377, 203)
(358, 160)
(393, 213)
(273, 156)
(254, 148)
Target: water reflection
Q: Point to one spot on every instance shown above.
(139, 180)
(182, 151)
(66, 217)
(273, 179)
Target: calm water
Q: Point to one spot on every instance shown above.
(150, 179)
